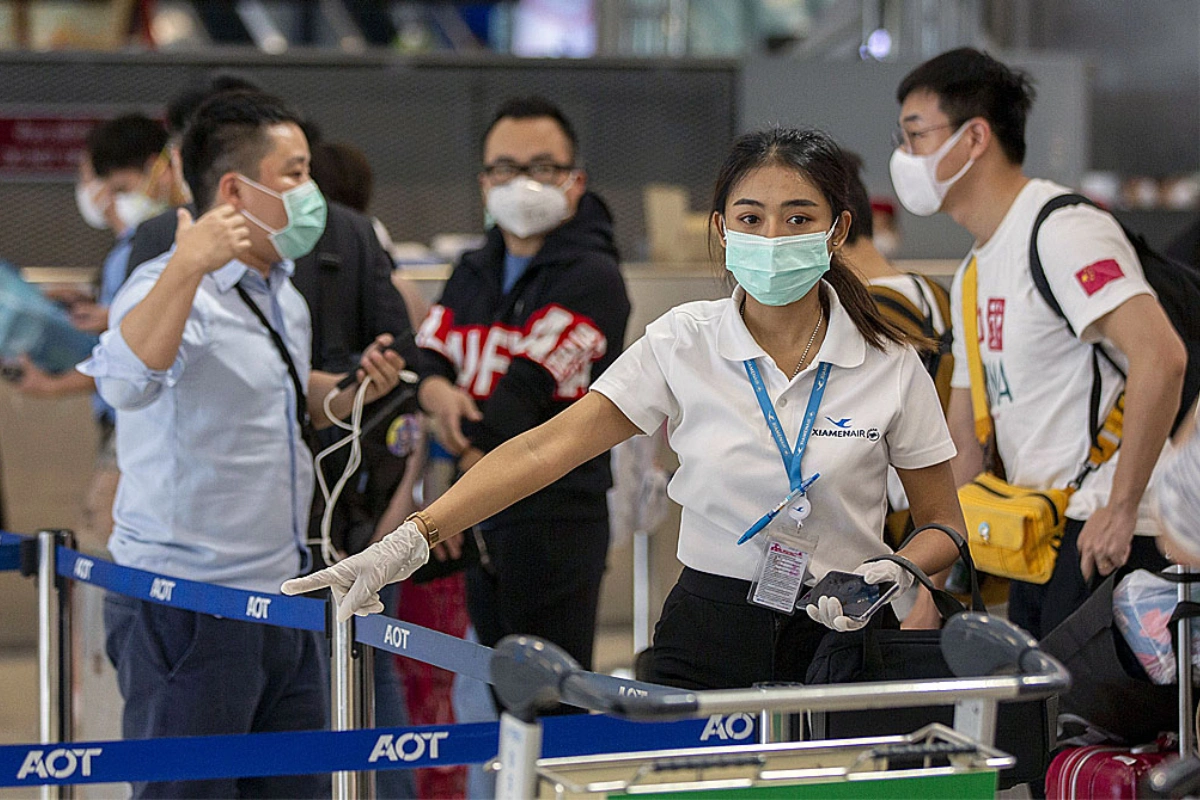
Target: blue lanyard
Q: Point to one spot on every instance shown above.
(791, 458)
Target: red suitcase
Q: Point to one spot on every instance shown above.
(1102, 772)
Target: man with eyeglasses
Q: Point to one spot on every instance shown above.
(523, 327)
(1049, 387)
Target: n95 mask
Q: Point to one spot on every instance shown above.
(85, 200)
(134, 208)
(524, 207)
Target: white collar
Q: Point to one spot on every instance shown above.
(844, 346)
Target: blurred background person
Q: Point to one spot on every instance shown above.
(393, 460)
(916, 304)
(125, 177)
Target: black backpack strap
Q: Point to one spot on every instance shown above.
(1035, 259)
(926, 308)
(905, 309)
(946, 339)
(1038, 273)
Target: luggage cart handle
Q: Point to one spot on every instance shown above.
(531, 675)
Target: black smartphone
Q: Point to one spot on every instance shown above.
(859, 599)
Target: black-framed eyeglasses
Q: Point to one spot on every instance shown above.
(906, 139)
(540, 171)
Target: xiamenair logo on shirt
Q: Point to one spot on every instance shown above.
(842, 428)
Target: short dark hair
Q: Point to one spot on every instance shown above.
(124, 143)
(533, 107)
(343, 173)
(862, 223)
(183, 105)
(969, 84)
(228, 134)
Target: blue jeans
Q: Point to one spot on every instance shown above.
(187, 674)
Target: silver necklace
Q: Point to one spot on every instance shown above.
(812, 338)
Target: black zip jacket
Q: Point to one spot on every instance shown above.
(526, 355)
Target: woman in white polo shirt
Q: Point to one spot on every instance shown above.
(798, 359)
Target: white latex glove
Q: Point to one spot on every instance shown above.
(356, 581)
(886, 572)
(828, 610)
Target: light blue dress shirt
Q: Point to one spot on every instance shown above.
(216, 481)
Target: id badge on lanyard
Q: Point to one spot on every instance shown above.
(788, 547)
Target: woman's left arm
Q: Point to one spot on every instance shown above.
(932, 498)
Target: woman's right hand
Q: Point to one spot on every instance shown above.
(356, 581)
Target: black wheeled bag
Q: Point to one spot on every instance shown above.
(1026, 729)
(1109, 688)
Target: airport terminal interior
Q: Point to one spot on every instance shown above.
(406, 93)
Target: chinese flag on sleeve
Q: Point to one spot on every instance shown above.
(1094, 277)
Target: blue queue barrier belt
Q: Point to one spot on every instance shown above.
(431, 647)
(10, 550)
(265, 754)
(303, 613)
(462, 657)
(309, 752)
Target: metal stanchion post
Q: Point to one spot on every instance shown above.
(779, 726)
(365, 664)
(641, 591)
(343, 693)
(1183, 654)
(54, 649)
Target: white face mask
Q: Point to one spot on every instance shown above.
(134, 208)
(524, 207)
(89, 209)
(915, 177)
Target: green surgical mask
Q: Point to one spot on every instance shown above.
(306, 211)
(777, 271)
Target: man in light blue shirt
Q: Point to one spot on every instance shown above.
(207, 363)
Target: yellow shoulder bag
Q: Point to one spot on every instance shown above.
(1015, 532)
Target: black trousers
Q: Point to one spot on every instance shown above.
(540, 578)
(1039, 608)
(709, 637)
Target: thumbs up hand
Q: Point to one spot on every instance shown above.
(214, 240)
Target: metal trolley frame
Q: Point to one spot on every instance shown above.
(532, 674)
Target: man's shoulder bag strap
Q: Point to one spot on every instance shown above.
(970, 313)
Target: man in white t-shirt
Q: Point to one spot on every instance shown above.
(960, 148)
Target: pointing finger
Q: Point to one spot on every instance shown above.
(308, 583)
